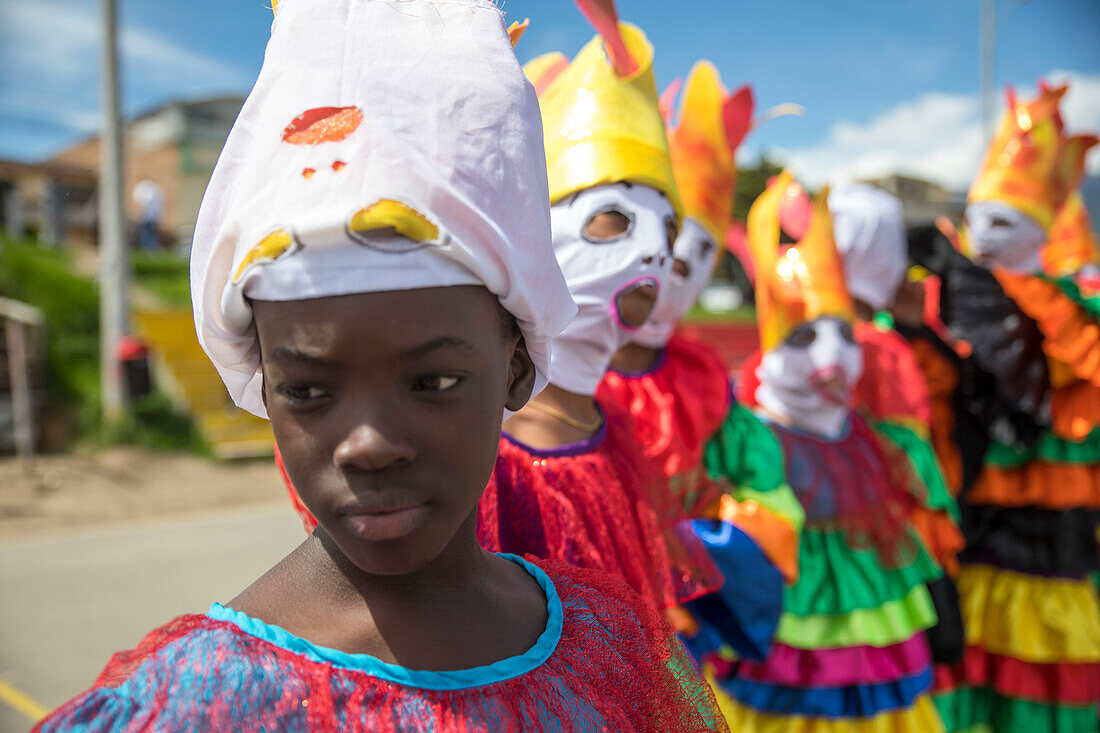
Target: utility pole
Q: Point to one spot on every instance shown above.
(113, 301)
(987, 62)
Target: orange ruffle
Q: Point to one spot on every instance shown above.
(774, 535)
(941, 537)
(1070, 335)
(1075, 410)
(942, 379)
(1039, 483)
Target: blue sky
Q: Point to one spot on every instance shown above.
(886, 85)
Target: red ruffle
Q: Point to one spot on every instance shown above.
(892, 386)
(616, 665)
(1054, 684)
(601, 507)
(674, 409)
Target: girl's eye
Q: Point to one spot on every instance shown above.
(437, 383)
(847, 333)
(302, 392)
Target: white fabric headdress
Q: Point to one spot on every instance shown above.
(869, 229)
(387, 145)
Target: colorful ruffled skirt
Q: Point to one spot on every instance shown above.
(1029, 603)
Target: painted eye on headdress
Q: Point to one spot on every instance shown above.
(607, 225)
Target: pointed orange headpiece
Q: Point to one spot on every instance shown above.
(801, 282)
(1072, 243)
(703, 145)
(1032, 164)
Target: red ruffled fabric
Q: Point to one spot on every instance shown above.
(1054, 684)
(597, 505)
(892, 386)
(616, 667)
(674, 409)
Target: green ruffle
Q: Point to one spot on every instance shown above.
(1050, 448)
(1070, 289)
(974, 709)
(835, 579)
(745, 453)
(923, 459)
(890, 623)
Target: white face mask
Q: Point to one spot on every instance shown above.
(808, 379)
(1002, 236)
(695, 257)
(600, 272)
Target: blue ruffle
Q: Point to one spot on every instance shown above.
(427, 680)
(744, 613)
(853, 701)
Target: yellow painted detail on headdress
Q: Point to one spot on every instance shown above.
(801, 282)
(267, 249)
(604, 128)
(1031, 164)
(404, 219)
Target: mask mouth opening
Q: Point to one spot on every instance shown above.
(634, 302)
(831, 384)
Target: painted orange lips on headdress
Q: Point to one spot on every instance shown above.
(323, 125)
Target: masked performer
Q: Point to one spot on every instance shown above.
(1031, 615)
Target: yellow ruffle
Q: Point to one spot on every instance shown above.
(1034, 619)
(922, 717)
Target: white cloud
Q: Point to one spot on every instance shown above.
(937, 136)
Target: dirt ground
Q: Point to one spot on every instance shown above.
(66, 491)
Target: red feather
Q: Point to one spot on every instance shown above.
(601, 14)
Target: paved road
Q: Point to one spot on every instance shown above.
(68, 602)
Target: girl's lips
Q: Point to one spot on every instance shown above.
(380, 526)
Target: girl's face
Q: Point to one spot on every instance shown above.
(387, 408)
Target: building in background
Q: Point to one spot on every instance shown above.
(174, 146)
(923, 200)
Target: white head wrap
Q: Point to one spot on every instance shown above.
(599, 272)
(811, 386)
(869, 229)
(371, 117)
(1000, 235)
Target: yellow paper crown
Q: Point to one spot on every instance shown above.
(801, 282)
(1031, 164)
(1072, 242)
(601, 127)
(703, 145)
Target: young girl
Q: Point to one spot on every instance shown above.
(569, 483)
(375, 275)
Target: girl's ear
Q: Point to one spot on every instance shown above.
(521, 377)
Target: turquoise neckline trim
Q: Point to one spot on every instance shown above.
(458, 679)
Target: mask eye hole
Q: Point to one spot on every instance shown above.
(607, 225)
(681, 268)
(847, 333)
(706, 247)
(802, 336)
(671, 232)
